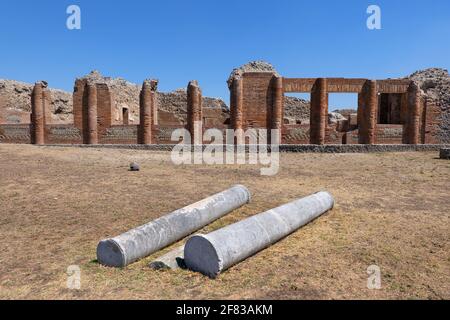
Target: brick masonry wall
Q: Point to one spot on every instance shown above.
(104, 108)
(257, 100)
(389, 134)
(78, 96)
(432, 120)
(295, 134)
(65, 134)
(119, 134)
(332, 136)
(15, 133)
(384, 134)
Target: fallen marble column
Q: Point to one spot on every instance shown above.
(217, 251)
(174, 259)
(153, 236)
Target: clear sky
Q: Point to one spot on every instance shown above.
(176, 41)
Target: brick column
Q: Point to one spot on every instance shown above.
(147, 102)
(368, 110)
(277, 108)
(319, 112)
(194, 108)
(237, 104)
(414, 110)
(360, 112)
(92, 129)
(38, 102)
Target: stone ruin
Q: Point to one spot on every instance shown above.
(390, 111)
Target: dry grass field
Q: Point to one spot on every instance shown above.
(392, 210)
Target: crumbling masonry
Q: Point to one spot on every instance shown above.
(392, 111)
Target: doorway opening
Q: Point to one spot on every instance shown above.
(125, 116)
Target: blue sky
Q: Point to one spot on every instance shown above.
(176, 41)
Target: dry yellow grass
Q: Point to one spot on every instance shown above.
(392, 211)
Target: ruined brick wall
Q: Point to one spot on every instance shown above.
(389, 134)
(332, 135)
(295, 134)
(15, 133)
(431, 121)
(213, 118)
(104, 108)
(351, 137)
(120, 134)
(78, 97)
(384, 134)
(62, 134)
(257, 100)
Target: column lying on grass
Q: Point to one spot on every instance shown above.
(151, 237)
(173, 259)
(217, 251)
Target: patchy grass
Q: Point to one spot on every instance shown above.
(392, 210)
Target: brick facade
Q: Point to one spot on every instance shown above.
(389, 112)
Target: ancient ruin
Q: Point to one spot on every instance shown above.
(390, 111)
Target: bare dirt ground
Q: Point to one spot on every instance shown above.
(392, 210)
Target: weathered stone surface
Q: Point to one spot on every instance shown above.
(134, 166)
(174, 259)
(334, 117)
(435, 83)
(15, 103)
(296, 110)
(253, 66)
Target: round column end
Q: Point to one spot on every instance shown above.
(110, 254)
(245, 189)
(200, 255)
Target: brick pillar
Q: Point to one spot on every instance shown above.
(92, 124)
(237, 104)
(147, 102)
(277, 108)
(194, 108)
(38, 102)
(414, 110)
(359, 119)
(368, 110)
(319, 112)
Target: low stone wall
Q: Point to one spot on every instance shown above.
(65, 134)
(15, 133)
(299, 148)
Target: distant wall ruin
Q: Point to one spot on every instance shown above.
(389, 112)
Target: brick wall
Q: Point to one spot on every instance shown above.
(15, 133)
(62, 134)
(389, 134)
(295, 134)
(431, 121)
(257, 100)
(119, 134)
